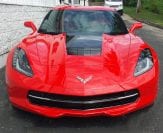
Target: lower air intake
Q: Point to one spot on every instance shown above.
(82, 102)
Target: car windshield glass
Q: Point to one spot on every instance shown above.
(83, 22)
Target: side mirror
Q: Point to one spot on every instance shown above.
(31, 25)
(135, 26)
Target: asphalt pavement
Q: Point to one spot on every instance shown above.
(149, 120)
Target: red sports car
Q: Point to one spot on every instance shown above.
(82, 61)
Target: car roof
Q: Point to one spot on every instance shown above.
(94, 8)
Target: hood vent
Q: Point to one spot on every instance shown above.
(83, 51)
(84, 45)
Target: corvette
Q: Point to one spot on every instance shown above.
(82, 62)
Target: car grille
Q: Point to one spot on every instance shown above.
(82, 102)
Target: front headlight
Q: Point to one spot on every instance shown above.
(20, 62)
(145, 62)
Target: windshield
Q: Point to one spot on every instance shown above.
(84, 22)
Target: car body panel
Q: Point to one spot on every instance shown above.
(56, 72)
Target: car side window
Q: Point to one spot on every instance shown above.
(51, 22)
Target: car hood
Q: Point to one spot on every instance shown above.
(75, 74)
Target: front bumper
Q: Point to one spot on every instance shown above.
(145, 98)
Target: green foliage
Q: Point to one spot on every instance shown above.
(153, 8)
(145, 15)
(131, 3)
(150, 5)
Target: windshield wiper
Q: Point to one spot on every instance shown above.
(115, 33)
(51, 33)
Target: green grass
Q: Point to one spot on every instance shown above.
(146, 15)
(159, 4)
